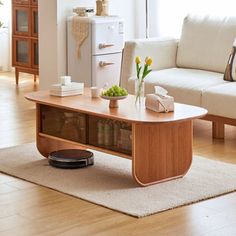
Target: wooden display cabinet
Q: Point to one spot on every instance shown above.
(25, 37)
(158, 144)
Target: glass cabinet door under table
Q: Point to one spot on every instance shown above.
(110, 134)
(63, 124)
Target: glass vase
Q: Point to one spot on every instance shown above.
(139, 91)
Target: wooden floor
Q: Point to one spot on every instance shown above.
(28, 209)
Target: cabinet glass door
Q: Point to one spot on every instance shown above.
(63, 124)
(21, 21)
(21, 52)
(35, 54)
(34, 17)
(110, 134)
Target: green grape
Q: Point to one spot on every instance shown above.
(115, 91)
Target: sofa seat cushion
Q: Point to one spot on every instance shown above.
(220, 100)
(185, 85)
(206, 42)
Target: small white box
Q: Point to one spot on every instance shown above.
(65, 80)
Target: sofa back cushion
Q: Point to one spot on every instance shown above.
(206, 42)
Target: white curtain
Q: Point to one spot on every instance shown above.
(166, 16)
(5, 41)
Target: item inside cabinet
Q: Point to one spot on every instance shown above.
(110, 134)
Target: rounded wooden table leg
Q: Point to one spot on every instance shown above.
(163, 151)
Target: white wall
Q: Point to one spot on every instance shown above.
(52, 33)
(5, 39)
(140, 19)
(47, 42)
(5, 50)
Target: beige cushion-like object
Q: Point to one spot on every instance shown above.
(206, 42)
(230, 70)
(161, 50)
(185, 85)
(220, 100)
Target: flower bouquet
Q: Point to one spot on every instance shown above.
(141, 74)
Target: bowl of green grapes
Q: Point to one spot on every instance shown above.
(114, 94)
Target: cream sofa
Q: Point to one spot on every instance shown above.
(191, 68)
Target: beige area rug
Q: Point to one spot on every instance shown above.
(109, 182)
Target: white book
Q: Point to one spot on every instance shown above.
(65, 93)
(68, 87)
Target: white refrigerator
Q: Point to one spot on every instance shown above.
(98, 62)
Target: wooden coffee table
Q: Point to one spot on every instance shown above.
(158, 144)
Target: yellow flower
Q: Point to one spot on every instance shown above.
(137, 60)
(148, 61)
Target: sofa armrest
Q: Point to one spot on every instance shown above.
(161, 50)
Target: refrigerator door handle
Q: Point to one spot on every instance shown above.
(103, 63)
(103, 45)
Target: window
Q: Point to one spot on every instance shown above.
(166, 16)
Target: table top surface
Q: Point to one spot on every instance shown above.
(127, 111)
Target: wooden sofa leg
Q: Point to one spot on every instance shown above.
(218, 130)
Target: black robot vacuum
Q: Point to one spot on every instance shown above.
(71, 158)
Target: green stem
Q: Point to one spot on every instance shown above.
(137, 70)
(145, 71)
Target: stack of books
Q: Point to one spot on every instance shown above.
(70, 89)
